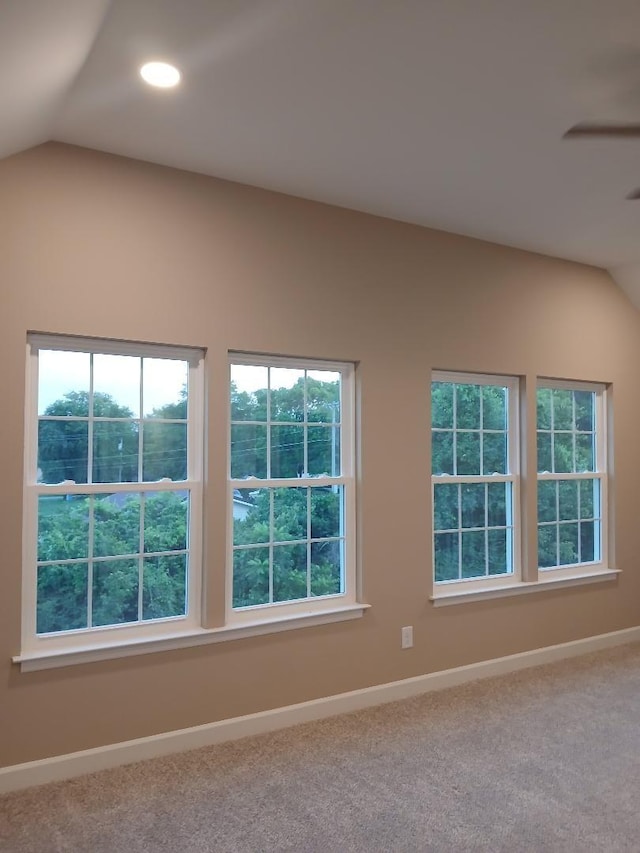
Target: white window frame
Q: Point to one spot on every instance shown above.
(599, 473)
(95, 638)
(512, 384)
(343, 600)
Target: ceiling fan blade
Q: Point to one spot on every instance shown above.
(589, 129)
(635, 195)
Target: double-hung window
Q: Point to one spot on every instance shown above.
(572, 468)
(113, 492)
(474, 452)
(475, 436)
(291, 486)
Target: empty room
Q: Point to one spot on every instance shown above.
(320, 338)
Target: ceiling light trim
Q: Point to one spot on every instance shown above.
(160, 74)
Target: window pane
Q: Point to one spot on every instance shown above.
(63, 383)
(165, 521)
(442, 453)
(545, 462)
(467, 406)
(289, 514)
(494, 407)
(327, 563)
(323, 451)
(589, 490)
(547, 545)
(568, 500)
(323, 396)
(302, 428)
(164, 451)
(563, 452)
(498, 495)
(472, 509)
(62, 451)
(287, 451)
(473, 554)
(584, 401)
(562, 408)
(164, 387)
(115, 592)
(445, 507)
(494, 452)
(287, 394)
(116, 524)
(96, 541)
(547, 492)
(326, 511)
(584, 452)
(116, 386)
(446, 556)
(63, 527)
(62, 597)
(543, 400)
(248, 451)
(164, 586)
(251, 521)
(574, 538)
(468, 453)
(250, 577)
(498, 556)
(442, 405)
(587, 542)
(248, 392)
(569, 537)
(289, 572)
(115, 452)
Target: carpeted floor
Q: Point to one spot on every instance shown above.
(544, 760)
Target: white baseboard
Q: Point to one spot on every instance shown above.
(73, 764)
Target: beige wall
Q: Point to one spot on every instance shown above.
(96, 245)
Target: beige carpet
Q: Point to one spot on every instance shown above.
(544, 760)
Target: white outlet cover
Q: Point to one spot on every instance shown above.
(407, 637)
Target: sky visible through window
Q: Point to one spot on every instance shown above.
(62, 372)
(250, 377)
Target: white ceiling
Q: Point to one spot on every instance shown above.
(446, 113)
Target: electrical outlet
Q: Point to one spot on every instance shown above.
(407, 637)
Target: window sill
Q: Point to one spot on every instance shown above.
(461, 596)
(31, 661)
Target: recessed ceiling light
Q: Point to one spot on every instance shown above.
(160, 74)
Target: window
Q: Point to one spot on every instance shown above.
(291, 486)
(571, 474)
(474, 468)
(478, 544)
(113, 490)
(113, 497)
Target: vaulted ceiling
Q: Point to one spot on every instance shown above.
(445, 113)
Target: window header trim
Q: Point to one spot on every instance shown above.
(107, 346)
